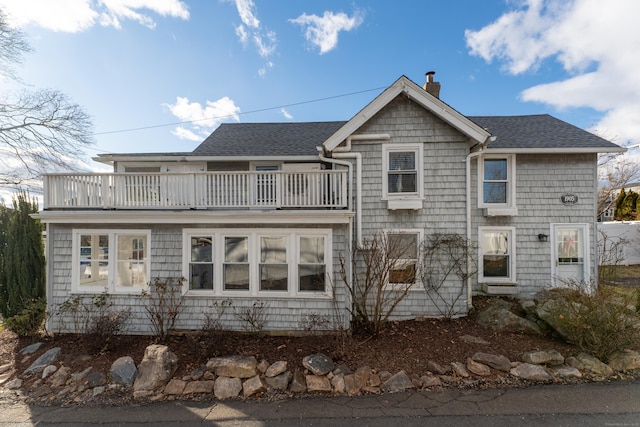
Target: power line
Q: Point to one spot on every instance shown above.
(239, 114)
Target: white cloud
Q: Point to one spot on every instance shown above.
(595, 45)
(286, 114)
(251, 30)
(202, 119)
(322, 31)
(78, 15)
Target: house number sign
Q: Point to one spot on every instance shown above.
(569, 199)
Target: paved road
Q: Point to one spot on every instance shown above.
(593, 404)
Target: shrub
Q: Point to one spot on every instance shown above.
(164, 305)
(599, 320)
(254, 318)
(29, 320)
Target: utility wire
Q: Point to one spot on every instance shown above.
(239, 114)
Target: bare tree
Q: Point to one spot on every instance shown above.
(39, 129)
(615, 171)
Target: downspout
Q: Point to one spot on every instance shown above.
(345, 153)
(468, 206)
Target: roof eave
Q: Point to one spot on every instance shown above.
(574, 150)
(191, 158)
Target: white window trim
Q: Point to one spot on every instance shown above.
(510, 207)
(397, 199)
(111, 287)
(512, 256)
(417, 286)
(293, 238)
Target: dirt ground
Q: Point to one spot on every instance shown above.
(405, 345)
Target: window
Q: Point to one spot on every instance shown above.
(497, 254)
(402, 181)
(497, 177)
(112, 261)
(311, 265)
(292, 262)
(274, 271)
(236, 263)
(404, 248)
(201, 263)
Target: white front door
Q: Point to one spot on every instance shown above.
(570, 252)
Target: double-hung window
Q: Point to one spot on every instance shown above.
(497, 255)
(258, 263)
(110, 260)
(402, 180)
(496, 191)
(403, 247)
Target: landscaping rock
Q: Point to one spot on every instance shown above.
(397, 383)
(477, 368)
(226, 387)
(430, 381)
(60, 377)
(123, 371)
(337, 382)
(437, 368)
(298, 382)
(48, 370)
(574, 363)
(234, 366)
(530, 372)
(627, 360)
(502, 319)
(13, 384)
(318, 364)
(276, 369)
(545, 310)
(175, 387)
(495, 361)
(32, 348)
(198, 373)
(473, 340)
(351, 385)
(79, 376)
(459, 369)
(279, 382)
(41, 362)
(566, 372)
(96, 379)
(198, 387)
(316, 383)
(253, 385)
(156, 369)
(362, 375)
(543, 357)
(594, 366)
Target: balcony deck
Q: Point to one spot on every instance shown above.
(326, 189)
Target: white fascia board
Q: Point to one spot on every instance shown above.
(252, 217)
(138, 158)
(417, 94)
(577, 150)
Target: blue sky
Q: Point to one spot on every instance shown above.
(151, 64)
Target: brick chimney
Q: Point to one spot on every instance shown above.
(430, 86)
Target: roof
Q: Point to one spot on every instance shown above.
(540, 132)
(267, 139)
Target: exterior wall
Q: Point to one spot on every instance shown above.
(283, 313)
(443, 209)
(541, 179)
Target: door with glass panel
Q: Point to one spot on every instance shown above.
(569, 252)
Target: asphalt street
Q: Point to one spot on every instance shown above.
(592, 404)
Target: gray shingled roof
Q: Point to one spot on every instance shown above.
(301, 139)
(267, 139)
(538, 131)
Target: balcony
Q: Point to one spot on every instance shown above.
(326, 189)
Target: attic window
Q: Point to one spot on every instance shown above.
(402, 179)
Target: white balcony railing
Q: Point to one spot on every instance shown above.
(203, 190)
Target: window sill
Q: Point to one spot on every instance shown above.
(502, 211)
(500, 289)
(409, 204)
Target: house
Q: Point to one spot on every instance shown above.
(262, 212)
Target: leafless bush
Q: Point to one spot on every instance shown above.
(379, 261)
(213, 318)
(164, 304)
(254, 318)
(447, 264)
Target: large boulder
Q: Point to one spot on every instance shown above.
(43, 361)
(496, 361)
(156, 369)
(627, 360)
(123, 371)
(499, 318)
(318, 364)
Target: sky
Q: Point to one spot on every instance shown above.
(161, 75)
